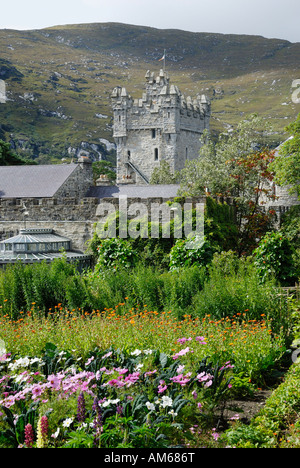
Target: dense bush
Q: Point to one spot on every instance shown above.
(188, 252)
(274, 257)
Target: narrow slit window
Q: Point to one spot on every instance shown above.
(156, 154)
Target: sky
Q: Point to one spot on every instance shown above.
(268, 18)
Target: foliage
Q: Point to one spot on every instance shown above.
(105, 168)
(8, 157)
(237, 289)
(290, 228)
(274, 257)
(43, 286)
(186, 253)
(269, 428)
(220, 224)
(163, 175)
(123, 405)
(114, 253)
(234, 167)
(287, 164)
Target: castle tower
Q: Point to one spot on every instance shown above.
(162, 125)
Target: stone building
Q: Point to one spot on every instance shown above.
(46, 181)
(162, 125)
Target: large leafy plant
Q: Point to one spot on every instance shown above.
(274, 257)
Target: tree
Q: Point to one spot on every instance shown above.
(106, 168)
(163, 175)
(8, 157)
(287, 164)
(236, 166)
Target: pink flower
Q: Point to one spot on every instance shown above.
(91, 359)
(182, 380)
(200, 339)
(150, 372)
(36, 391)
(183, 340)
(182, 353)
(162, 387)
(54, 382)
(215, 434)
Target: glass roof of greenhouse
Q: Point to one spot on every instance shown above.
(36, 245)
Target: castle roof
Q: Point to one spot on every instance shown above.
(134, 191)
(33, 181)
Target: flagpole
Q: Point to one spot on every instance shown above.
(164, 60)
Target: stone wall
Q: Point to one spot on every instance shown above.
(69, 217)
(79, 182)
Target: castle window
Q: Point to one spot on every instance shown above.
(156, 154)
(186, 153)
(153, 133)
(128, 154)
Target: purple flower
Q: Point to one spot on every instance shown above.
(81, 415)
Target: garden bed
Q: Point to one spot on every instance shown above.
(149, 379)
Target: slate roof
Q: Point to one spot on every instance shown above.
(40, 181)
(134, 191)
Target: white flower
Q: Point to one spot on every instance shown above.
(115, 402)
(150, 406)
(136, 352)
(138, 367)
(166, 401)
(172, 412)
(56, 434)
(36, 359)
(82, 426)
(148, 351)
(22, 362)
(68, 422)
(110, 402)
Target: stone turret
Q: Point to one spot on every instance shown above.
(161, 125)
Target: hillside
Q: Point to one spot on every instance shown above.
(59, 81)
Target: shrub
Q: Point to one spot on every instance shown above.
(114, 253)
(188, 252)
(274, 256)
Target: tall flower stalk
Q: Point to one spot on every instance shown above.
(42, 432)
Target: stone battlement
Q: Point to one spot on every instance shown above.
(162, 125)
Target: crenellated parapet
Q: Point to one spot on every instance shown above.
(162, 124)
